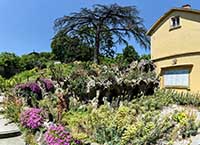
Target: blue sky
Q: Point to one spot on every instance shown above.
(27, 25)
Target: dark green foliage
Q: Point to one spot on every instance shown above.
(46, 55)
(78, 82)
(104, 26)
(57, 72)
(9, 64)
(109, 135)
(67, 49)
(32, 60)
(123, 63)
(129, 54)
(107, 60)
(145, 56)
(78, 86)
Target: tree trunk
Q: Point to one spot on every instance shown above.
(97, 46)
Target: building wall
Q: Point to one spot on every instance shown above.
(181, 44)
(185, 61)
(166, 42)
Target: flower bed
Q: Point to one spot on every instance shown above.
(32, 118)
(57, 135)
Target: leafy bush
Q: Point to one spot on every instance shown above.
(28, 75)
(32, 60)
(49, 104)
(186, 98)
(181, 98)
(30, 91)
(107, 135)
(12, 109)
(9, 64)
(187, 123)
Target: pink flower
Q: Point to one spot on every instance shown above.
(32, 118)
(57, 135)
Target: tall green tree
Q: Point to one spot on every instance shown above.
(68, 49)
(130, 54)
(107, 25)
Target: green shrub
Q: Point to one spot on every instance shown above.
(180, 98)
(12, 109)
(107, 135)
(187, 124)
(148, 130)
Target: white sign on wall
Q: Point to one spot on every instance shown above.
(176, 78)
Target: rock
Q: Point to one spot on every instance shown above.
(2, 99)
(12, 141)
(8, 129)
(87, 143)
(133, 65)
(91, 84)
(57, 62)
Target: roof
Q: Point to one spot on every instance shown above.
(153, 28)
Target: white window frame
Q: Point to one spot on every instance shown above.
(175, 22)
(178, 78)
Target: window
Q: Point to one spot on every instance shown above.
(176, 78)
(175, 22)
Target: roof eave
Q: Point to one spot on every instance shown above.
(151, 30)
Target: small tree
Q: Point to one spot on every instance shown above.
(103, 26)
(129, 54)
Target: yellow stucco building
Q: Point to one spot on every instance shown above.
(175, 48)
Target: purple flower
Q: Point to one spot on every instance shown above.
(48, 85)
(57, 135)
(32, 118)
(32, 87)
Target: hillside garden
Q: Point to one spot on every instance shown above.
(84, 93)
(83, 103)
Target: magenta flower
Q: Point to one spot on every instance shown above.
(32, 118)
(31, 87)
(34, 87)
(57, 135)
(48, 85)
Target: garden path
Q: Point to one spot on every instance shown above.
(12, 141)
